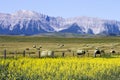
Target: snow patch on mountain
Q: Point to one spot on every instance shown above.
(24, 22)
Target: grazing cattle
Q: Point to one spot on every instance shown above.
(80, 52)
(102, 51)
(27, 49)
(60, 45)
(44, 54)
(113, 51)
(34, 46)
(69, 50)
(97, 51)
(38, 48)
(51, 53)
(47, 53)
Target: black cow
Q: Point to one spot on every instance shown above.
(97, 51)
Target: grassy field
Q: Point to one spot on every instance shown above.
(106, 67)
(20, 43)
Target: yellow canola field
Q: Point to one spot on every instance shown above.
(69, 68)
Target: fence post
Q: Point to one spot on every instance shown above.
(73, 53)
(5, 54)
(24, 53)
(39, 54)
(63, 53)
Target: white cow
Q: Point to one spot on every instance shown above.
(51, 53)
(80, 52)
(47, 54)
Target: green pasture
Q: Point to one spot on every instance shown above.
(20, 43)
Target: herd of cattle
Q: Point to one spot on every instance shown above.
(78, 52)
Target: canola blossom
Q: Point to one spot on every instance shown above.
(71, 68)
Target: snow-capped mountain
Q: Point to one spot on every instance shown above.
(25, 22)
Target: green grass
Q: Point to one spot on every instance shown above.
(20, 43)
(59, 40)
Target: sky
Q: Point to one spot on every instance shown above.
(105, 9)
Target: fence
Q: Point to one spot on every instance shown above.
(27, 53)
(15, 54)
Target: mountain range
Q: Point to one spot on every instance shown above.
(26, 22)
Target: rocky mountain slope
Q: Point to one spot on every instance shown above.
(25, 22)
